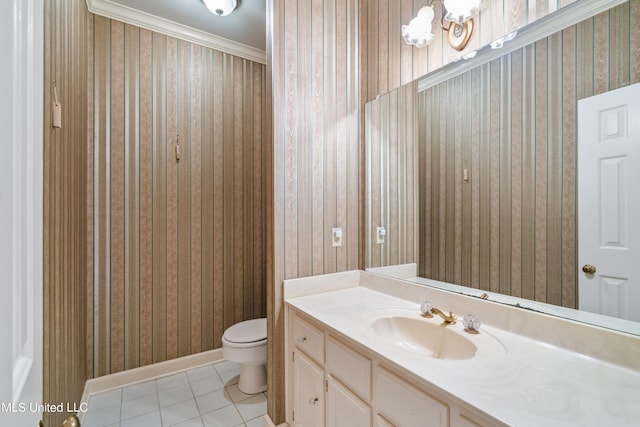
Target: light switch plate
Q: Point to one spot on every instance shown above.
(336, 237)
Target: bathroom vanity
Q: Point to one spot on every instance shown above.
(360, 354)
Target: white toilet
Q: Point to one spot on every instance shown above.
(246, 344)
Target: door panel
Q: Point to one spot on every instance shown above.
(308, 381)
(345, 409)
(608, 202)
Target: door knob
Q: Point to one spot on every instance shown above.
(589, 269)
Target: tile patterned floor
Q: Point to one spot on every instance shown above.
(207, 396)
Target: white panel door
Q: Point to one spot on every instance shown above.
(21, 74)
(609, 203)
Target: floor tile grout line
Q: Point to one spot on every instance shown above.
(199, 415)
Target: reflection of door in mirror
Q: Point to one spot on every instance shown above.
(608, 175)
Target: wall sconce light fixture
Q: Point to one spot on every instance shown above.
(418, 32)
(460, 15)
(221, 7)
(459, 34)
(460, 11)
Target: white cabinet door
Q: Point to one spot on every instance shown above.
(308, 397)
(405, 405)
(345, 409)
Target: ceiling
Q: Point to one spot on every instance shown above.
(246, 25)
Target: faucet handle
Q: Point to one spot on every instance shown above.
(471, 323)
(425, 309)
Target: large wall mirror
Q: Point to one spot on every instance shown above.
(473, 171)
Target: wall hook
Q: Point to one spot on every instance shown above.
(57, 108)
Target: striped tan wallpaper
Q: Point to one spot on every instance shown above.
(314, 57)
(64, 203)
(327, 58)
(177, 242)
(512, 125)
(391, 178)
(390, 63)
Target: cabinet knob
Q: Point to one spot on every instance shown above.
(302, 339)
(313, 400)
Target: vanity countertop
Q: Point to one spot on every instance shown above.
(529, 383)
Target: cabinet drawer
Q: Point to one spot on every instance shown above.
(405, 405)
(463, 421)
(350, 367)
(380, 421)
(467, 419)
(309, 339)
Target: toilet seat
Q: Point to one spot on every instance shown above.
(243, 344)
(249, 333)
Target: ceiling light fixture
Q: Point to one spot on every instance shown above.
(221, 7)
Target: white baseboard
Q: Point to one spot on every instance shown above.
(146, 373)
(269, 423)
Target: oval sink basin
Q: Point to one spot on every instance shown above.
(426, 338)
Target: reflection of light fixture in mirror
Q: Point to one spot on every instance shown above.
(459, 34)
(221, 7)
(460, 11)
(470, 55)
(418, 32)
(501, 41)
(460, 15)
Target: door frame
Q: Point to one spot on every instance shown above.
(21, 210)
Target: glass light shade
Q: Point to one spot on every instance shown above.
(459, 11)
(221, 7)
(497, 44)
(418, 32)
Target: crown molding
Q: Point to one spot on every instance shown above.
(151, 22)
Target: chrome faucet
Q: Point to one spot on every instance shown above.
(428, 310)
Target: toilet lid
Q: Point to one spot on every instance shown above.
(247, 331)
